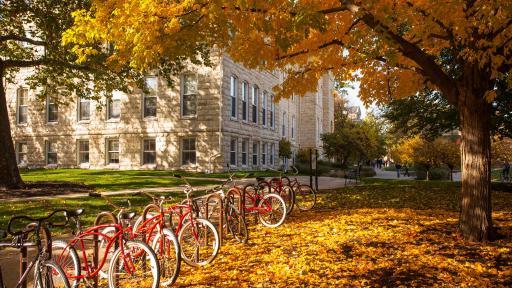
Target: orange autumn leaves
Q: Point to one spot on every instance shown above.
(373, 236)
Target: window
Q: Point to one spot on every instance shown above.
(264, 110)
(113, 151)
(149, 151)
(244, 152)
(189, 95)
(283, 128)
(255, 154)
(264, 154)
(272, 111)
(51, 152)
(83, 151)
(84, 109)
(245, 100)
(21, 153)
(188, 151)
(272, 152)
(150, 97)
(233, 93)
(52, 110)
(22, 105)
(114, 107)
(293, 127)
(254, 103)
(232, 152)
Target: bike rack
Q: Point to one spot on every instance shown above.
(240, 193)
(221, 214)
(111, 217)
(147, 209)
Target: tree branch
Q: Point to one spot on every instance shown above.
(13, 37)
(46, 62)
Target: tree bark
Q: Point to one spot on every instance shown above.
(9, 173)
(475, 112)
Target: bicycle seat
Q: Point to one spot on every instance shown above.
(74, 213)
(3, 234)
(259, 178)
(127, 215)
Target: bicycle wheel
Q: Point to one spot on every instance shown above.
(236, 223)
(249, 195)
(199, 242)
(168, 252)
(102, 247)
(47, 274)
(305, 197)
(286, 192)
(135, 265)
(67, 258)
(272, 210)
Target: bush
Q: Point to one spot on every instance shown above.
(436, 173)
(367, 171)
(324, 167)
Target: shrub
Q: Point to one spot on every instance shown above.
(367, 171)
(436, 173)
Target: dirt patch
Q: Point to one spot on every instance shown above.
(41, 189)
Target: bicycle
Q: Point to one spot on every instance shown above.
(281, 186)
(47, 273)
(193, 232)
(129, 263)
(234, 220)
(305, 196)
(270, 208)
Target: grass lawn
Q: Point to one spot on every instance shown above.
(112, 180)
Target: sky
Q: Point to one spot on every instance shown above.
(353, 98)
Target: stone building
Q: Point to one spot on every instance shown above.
(212, 117)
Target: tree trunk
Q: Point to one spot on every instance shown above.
(476, 210)
(9, 173)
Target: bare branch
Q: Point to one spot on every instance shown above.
(12, 37)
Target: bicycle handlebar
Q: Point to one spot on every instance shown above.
(36, 220)
(109, 202)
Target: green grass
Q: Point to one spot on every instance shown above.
(114, 180)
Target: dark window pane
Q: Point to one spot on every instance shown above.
(189, 105)
(149, 106)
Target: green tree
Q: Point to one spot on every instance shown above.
(449, 153)
(285, 148)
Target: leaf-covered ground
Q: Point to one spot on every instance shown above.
(387, 234)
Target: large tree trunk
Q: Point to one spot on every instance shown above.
(9, 173)
(475, 111)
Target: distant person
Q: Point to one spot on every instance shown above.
(398, 167)
(406, 171)
(506, 171)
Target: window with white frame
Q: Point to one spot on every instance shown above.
(113, 151)
(245, 155)
(114, 106)
(293, 127)
(22, 105)
(283, 128)
(150, 97)
(84, 109)
(83, 151)
(272, 111)
(264, 109)
(264, 154)
(245, 100)
(233, 95)
(51, 152)
(233, 151)
(255, 154)
(52, 110)
(254, 103)
(189, 95)
(272, 154)
(21, 153)
(188, 151)
(149, 151)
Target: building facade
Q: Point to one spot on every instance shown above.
(211, 118)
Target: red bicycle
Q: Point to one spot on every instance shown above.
(132, 264)
(269, 207)
(197, 237)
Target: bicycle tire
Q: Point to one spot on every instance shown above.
(288, 195)
(168, 274)
(70, 263)
(277, 210)
(185, 236)
(236, 223)
(114, 272)
(102, 245)
(305, 197)
(51, 274)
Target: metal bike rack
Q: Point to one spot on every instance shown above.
(113, 219)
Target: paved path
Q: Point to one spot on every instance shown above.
(383, 174)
